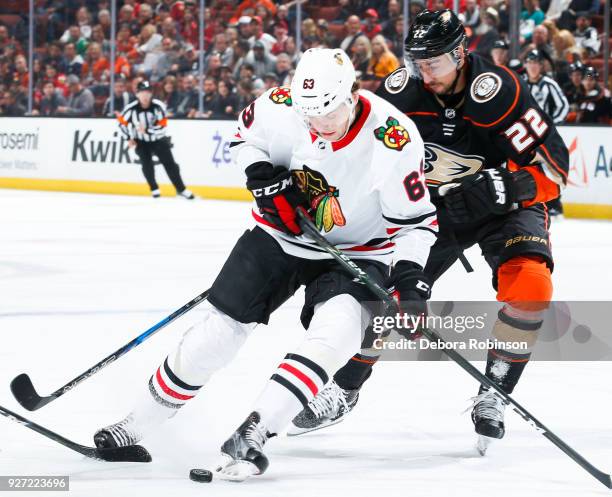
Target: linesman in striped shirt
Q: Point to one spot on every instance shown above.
(143, 122)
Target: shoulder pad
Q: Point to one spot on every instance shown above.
(397, 80)
(493, 93)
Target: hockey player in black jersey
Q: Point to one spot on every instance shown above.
(492, 158)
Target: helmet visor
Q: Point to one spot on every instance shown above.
(432, 68)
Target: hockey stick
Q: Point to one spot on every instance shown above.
(349, 266)
(131, 453)
(26, 394)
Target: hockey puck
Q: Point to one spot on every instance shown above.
(201, 475)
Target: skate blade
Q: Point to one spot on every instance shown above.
(294, 431)
(483, 444)
(235, 470)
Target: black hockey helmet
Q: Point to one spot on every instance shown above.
(534, 55)
(576, 67)
(434, 33)
(144, 86)
(503, 44)
(590, 72)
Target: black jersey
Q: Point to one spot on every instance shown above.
(594, 107)
(496, 121)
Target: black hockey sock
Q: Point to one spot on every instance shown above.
(355, 372)
(505, 365)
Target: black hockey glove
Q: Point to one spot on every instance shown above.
(276, 195)
(492, 191)
(411, 289)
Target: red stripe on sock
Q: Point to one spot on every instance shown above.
(168, 390)
(296, 372)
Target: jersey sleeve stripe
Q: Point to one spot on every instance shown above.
(552, 162)
(410, 221)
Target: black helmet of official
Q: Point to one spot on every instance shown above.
(503, 44)
(534, 55)
(434, 33)
(144, 86)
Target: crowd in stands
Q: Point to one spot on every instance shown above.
(250, 46)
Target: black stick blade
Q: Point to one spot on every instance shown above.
(25, 393)
(131, 453)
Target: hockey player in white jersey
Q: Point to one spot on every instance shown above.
(354, 163)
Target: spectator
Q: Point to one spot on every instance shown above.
(221, 47)
(568, 17)
(188, 104)
(251, 5)
(9, 106)
(394, 12)
(283, 66)
(145, 14)
(214, 65)
(74, 60)
(245, 93)
(573, 89)
(227, 102)
(396, 39)
(245, 28)
(104, 20)
(241, 49)
(80, 100)
(371, 26)
(545, 90)
(327, 39)
(471, 15)
(97, 35)
(260, 59)
(51, 100)
(96, 67)
(58, 80)
(7, 42)
(21, 75)
(270, 81)
(247, 71)
(353, 29)
(56, 58)
(586, 35)
(309, 29)
(593, 105)
(170, 95)
(281, 35)
(166, 60)
(361, 54)
(382, 62)
(291, 49)
(188, 61)
(211, 102)
(531, 16)
(485, 34)
(500, 53)
(121, 97)
(83, 20)
(73, 35)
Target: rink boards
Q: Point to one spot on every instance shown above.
(91, 155)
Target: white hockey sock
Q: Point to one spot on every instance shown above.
(332, 338)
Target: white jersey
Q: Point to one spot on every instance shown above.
(367, 190)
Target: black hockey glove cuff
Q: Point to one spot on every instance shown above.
(492, 191)
(411, 289)
(276, 195)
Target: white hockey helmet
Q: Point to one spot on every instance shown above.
(323, 81)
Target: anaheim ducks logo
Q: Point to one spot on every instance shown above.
(322, 197)
(443, 165)
(394, 136)
(281, 95)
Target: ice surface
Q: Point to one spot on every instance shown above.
(80, 275)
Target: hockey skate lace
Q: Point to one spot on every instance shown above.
(488, 405)
(256, 435)
(328, 400)
(122, 434)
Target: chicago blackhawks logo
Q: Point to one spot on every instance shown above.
(322, 197)
(281, 95)
(394, 136)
